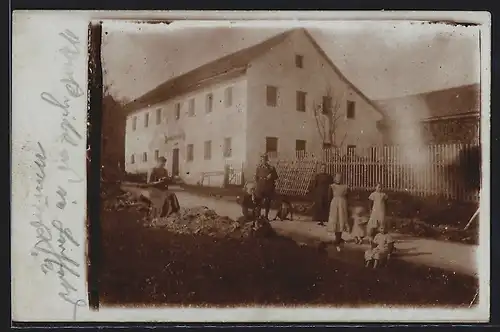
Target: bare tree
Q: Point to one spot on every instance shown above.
(327, 114)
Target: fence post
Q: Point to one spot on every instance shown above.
(226, 176)
(389, 166)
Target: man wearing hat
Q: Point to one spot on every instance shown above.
(265, 179)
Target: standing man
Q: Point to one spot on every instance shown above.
(265, 178)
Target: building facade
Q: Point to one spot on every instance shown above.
(269, 98)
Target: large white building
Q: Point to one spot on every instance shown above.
(261, 99)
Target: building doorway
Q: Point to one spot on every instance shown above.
(175, 162)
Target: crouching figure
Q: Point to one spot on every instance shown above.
(382, 247)
(250, 204)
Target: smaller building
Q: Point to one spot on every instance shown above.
(437, 117)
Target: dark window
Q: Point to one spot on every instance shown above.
(209, 102)
(158, 116)
(177, 111)
(299, 61)
(327, 104)
(227, 151)
(271, 96)
(300, 145)
(144, 156)
(271, 144)
(327, 145)
(191, 111)
(351, 109)
(207, 150)
(351, 150)
(301, 101)
(146, 119)
(132, 159)
(190, 152)
(157, 154)
(134, 123)
(228, 96)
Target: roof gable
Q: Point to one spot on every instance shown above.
(340, 74)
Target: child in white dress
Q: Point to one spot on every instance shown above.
(359, 224)
(382, 249)
(377, 217)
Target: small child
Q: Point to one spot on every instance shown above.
(359, 224)
(377, 216)
(381, 250)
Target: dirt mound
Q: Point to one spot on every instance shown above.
(204, 221)
(122, 201)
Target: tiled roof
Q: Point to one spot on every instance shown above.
(223, 68)
(457, 101)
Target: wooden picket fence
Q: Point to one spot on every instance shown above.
(424, 171)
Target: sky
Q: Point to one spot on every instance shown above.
(383, 59)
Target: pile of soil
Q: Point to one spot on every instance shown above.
(204, 221)
(118, 200)
(195, 221)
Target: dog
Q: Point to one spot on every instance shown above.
(170, 206)
(161, 203)
(285, 211)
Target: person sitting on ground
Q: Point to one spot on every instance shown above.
(250, 206)
(381, 250)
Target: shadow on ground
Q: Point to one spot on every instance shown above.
(152, 266)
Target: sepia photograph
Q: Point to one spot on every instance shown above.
(333, 165)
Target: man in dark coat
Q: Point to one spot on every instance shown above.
(265, 179)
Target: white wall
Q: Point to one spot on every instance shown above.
(215, 126)
(277, 67)
(144, 139)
